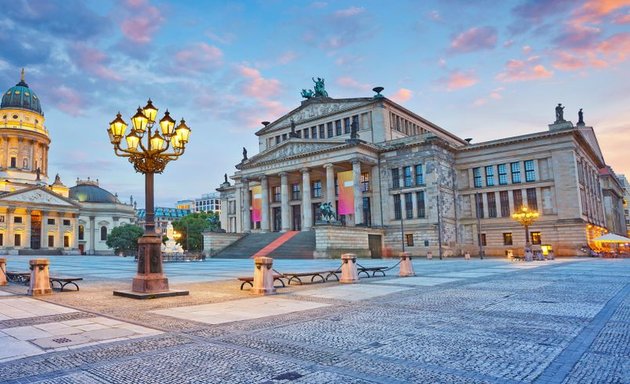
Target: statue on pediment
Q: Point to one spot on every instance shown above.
(244, 154)
(559, 113)
(320, 88)
(580, 117)
(307, 93)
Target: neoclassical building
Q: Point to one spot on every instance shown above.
(397, 180)
(38, 218)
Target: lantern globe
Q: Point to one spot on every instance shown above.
(150, 111)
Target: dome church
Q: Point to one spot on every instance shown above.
(38, 218)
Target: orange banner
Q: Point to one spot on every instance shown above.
(345, 203)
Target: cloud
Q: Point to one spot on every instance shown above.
(565, 61)
(495, 94)
(350, 83)
(349, 12)
(519, 70)
(93, 61)
(532, 13)
(593, 11)
(223, 38)
(474, 39)
(333, 31)
(577, 36)
(141, 21)
(434, 15)
(197, 57)
(68, 100)
(594, 53)
(287, 58)
(402, 95)
(459, 79)
(256, 86)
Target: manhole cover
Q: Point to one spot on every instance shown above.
(61, 340)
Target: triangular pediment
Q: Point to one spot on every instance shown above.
(591, 139)
(314, 109)
(37, 195)
(291, 148)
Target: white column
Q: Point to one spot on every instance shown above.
(247, 214)
(307, 206)
(26, 242)
(330, 185)
(358, 194)
(44, 231)
(9, 241)
(75, 231)
(284, 202)
(264, 187)
(92, 235)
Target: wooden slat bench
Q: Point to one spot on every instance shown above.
(250, 280)
(63, 281)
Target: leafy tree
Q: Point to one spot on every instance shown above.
(124, 239)
(191, 227)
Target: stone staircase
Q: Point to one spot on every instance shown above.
(40, 252)
(288, 245)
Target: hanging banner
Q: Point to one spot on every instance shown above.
(345, 202)
(256, 204)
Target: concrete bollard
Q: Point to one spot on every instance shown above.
(263, 276)
(349, 273)
(3, 271)
(467, 256)
(429, 255)
(40, 278)
(406, 266)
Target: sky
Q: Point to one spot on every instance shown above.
(483, 69)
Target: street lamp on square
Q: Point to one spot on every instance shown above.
(526, 218)
(149, 148)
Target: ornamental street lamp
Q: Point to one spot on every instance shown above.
(149, 157)
(526, 218)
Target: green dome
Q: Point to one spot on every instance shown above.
(21, 96)
(90, 193)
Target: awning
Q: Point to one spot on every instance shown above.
(612, 238)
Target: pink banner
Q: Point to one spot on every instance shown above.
(256, 204)
(345, 202)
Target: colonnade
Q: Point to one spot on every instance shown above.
(26, 231)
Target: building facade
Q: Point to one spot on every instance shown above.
(163, 216)
(397, 181)
(208, 202)
(35, 217)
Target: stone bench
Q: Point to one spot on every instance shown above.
(63, 281)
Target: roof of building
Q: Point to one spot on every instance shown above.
(164, 212)
(21, 96)
(91, 193)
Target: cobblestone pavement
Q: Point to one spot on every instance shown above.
(479, 321)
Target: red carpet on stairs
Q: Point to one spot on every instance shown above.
(275, 244)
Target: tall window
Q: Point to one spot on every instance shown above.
(322, 131)
(489, 176)
(295, 191)
(477, 177)
(395, 178)
(1, 239)
(479, 205)
(306, 133)
(317, 188)
(502, 174)
(17, 240)
(409, 239)
(51, 241)
(419, 175)
(409, 205)
(346, 125)
(420, 203)
(408, 176)
(103, 233)
(81, 232)
(517, 196)
(17, 219)
(516, 172)
(507, 238)
(314, 132)
(276, 194)
(505, 203)
(531, 199)
(492, 205)
(536, 239)
(338, 128)
(66, 241)
(329, 128)
(397, 213)
(365, 182)
(482, 239)
(530, 173)
(13, 162)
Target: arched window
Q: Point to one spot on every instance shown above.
(81, 232)
(103, 233)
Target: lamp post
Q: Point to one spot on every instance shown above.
(149, 157)
(526, 217)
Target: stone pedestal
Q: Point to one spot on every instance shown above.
(263, 276)
(349, 273)
(3, 271)
(406, 266)
(40, 278)
(429, 255)
(467, 256)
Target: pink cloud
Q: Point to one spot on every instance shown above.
(596, 54)
(256, 85)
(593, 11)
(402, 95)
(287, 57)
(198, 57)
(349, 82)
(474, 39)
(519, 70)
(93, 61)
(142, 21)
(567, 62)
(349, 12)
(622, 19)
(459, 79)
(578, 36)
(495, 94)
(68, 100)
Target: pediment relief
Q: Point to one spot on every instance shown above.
(313, 111)
(37, 196)
(591, 139)
(289, 150)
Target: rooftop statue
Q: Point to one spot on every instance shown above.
(319, 91)
(559, 113)
(580, 117)
(307, 93)
(244, 154)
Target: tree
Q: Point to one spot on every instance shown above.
(191, 227)
(124, 239)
